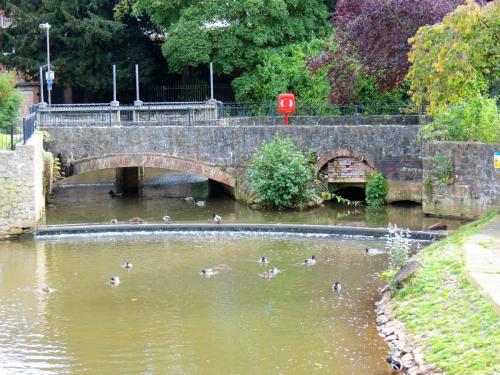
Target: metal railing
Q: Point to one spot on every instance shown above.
(218, 113)
(15, 134)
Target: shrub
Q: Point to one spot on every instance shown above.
(476, 119)
(10, 100)
(398, 243)
(280, 174)
(376, 189)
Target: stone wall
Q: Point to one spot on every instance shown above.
(22, 201)
(392, 149)
(474, 187)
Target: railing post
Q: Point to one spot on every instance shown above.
(12, 146)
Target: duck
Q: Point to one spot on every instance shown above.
(200, 204)
(395, 363)
(310, 261)
(167, 219)
(263, 260)
(115, 281)
(207, 272)
(274, 271)
(127, 265)
(189, 199)
(113, 194)
(337, 286)
(113, 221)
(136, 220)
(46, 289)
(217, 219)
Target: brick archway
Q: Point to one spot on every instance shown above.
(343, 166)
(151, 161)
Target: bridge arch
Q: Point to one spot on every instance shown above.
(343, 166)
(151, 160)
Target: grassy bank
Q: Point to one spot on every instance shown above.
(454, 324)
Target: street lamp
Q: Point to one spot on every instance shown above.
(50, 75)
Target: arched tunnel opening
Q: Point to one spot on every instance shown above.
(353, 193)
(405, 203)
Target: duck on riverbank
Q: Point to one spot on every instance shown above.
(217, 219)
(113, 194)
(136, 220)
(200, 204)
(113, 221)
(167, 219)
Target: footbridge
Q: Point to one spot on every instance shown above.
(347, 147)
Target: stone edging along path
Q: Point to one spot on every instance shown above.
(403, 344)
(51, 230)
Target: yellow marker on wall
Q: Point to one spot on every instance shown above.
(497, 160)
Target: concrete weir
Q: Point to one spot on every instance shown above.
(54, 230)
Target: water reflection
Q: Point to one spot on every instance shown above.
(162, 195)
(165, 318)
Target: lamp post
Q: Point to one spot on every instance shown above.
(50, 75)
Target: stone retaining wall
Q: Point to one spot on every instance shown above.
(22, 201)
(474, 187)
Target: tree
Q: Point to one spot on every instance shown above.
(280, 174)
(282, 70)
(10, 100)
(457, 59)
(230, 34)
(85, 40)
(373, 35)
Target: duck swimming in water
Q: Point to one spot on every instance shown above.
(46, 289)
(167, 219)
(271, 273)
(263, 260)
(136, 220)
(337, 286)
(217, 219)
(208, 272)
(113, 221)
(310, 261)
(112, 194)
(115, 281)
(127, 265)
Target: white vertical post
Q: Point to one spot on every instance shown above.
(114, 102)
(138, 101)
(211, 82)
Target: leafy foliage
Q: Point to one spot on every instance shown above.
(440, 169)
(10, 100)
(397, 241)
(85, 40)
(456, 59)
(474, 120)
(282, 70)
(280, 174)
(231, 34)
(376, 189)
(373, 38)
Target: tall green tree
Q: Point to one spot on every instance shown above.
(282, 70)
(457, 59)
(85, 40)
(231, 34)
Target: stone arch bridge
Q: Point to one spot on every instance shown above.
(345, 153)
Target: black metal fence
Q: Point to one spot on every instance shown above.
(186, 93)
(14, 134)
(218, 113)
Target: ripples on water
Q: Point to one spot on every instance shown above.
(166, 318)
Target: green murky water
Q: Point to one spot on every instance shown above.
(164, 318)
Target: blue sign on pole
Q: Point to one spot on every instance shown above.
(49, 83)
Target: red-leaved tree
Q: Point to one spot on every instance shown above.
(373, 40)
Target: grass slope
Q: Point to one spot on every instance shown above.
(456, 326)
